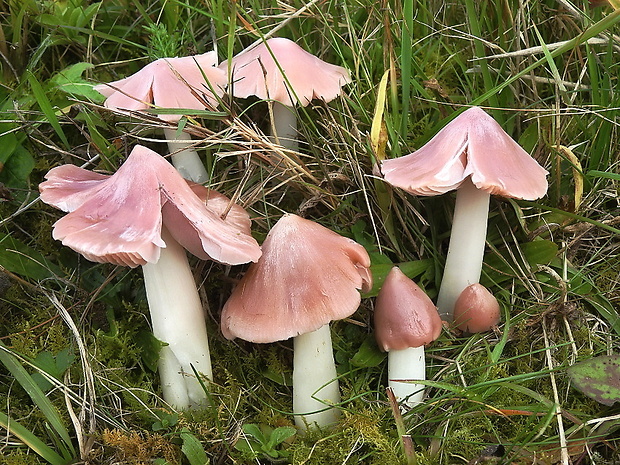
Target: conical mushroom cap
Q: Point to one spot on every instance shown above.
(168, 83)
(404, 315)
(307, 276)
(472, 144)
(256, 72)
(118, 218)
(476, 310)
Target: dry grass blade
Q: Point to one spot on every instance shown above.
(84, 423)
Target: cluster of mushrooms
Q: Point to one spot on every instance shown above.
(149, 213)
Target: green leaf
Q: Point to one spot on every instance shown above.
(192, 449)
(23, 260)
(17, 168)
(280, 377)
(380, 271)
(598, 378)
(53, 365)
(281, 434)
(70, 81)
(16, 163)
(254, 431)
(368, 354)
(502, 267)
(166, 420)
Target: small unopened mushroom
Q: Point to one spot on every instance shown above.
(281, 71)
(187, 83)
(405, 321)
(147, 214)
(473, 154)
(476, 310)
(307, 277)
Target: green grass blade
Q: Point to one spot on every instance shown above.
(405, 63)
(603, 174)
(46, 107)
(31, 440)
(476, 30)
(20, 374)
(573, 216)
(597, 28)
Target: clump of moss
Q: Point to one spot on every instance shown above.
(358, 438)
(137, 448)
(21, 458)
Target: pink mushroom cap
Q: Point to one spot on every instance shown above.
(168, 83)
(476, 310)
(404, 315)
(118, 218)
(472, 144)
(258, 71)
(307, 276)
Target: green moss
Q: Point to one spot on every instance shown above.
(358, 438)
(20, 458)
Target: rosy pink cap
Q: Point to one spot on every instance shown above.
(258, 72)
(307, 276)
(118, 218)
(476, 310)
(404, 315)
(473, 144)
(169, 83)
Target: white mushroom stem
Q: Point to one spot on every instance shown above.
(184, 157)
(178, 320)
(315, 383)
(466, 249)
(407, 364)
(285, 126)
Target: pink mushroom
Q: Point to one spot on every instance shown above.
(146, 214)
(476, 310)
(405, 321)
(306, 277)
(281, 71)
(473, 154)
(187, 83)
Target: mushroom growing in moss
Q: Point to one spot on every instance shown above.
(474, 155)
(405, 321)
(146, 214)
(476, 310)
(186, 83)
(307, 277)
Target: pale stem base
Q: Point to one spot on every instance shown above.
(184, 157)
(285, 126)
(178, 319)
(407, 364)
(466, 249)
(315, 386)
